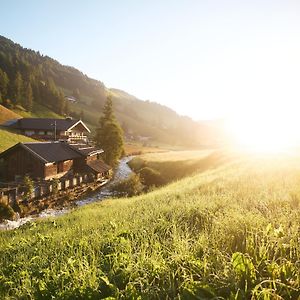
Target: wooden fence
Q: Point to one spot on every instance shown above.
(11, 192)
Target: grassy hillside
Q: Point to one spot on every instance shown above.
(228, 233)
(38, 111)
(8, 139)
(174, 165)
(6, 114)
(138, 148)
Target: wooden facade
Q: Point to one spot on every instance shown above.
(58, 169)
(22, 163)
(47, 161)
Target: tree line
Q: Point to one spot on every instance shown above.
(24, 91)
(27, 77)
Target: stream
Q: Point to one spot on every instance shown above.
(122, 172)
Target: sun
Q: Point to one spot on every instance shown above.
(265, 133)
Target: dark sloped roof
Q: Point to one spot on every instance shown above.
(98, 166)
(86, 150)
(52, 151)
(44, 124)
(57, 151)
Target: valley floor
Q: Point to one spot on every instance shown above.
(229, 231)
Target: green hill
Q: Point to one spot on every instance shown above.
(6, 114)
(8, 139)
(38, 111)
(231, 232)
(38, 83)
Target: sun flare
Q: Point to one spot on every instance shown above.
(265, 134)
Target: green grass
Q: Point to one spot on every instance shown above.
(174, 165)
(135, 148)
(7, 114)
(38, 111)
(231, 232)
(8, 139)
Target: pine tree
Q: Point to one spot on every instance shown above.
(109, 135)
(28, 99)
(67, 108)
(76, 94)
(36, 91)
(61, 103)
(82, 115)
(4, 81)
(17, 88)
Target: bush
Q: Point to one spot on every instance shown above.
(128, 187)
(6, 212)
(55, 183)
(29, 187)
(151, 177)
(136, 164)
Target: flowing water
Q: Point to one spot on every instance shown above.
(122, 172)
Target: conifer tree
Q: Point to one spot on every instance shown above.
(82, 115)
(76, 94)
(4, 81)
(28, 99)
(61, 102)
(17, 88)
(109, 135)
(67, 108)
(36, 91)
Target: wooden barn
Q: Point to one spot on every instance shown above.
(51, 160)
(70, 130)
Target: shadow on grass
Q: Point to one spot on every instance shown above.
(174, 170)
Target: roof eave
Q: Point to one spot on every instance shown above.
(79, 122)
(95, 152)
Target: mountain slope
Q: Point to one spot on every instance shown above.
(44, 81)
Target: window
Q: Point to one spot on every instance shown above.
(29, 132)
(60, 167)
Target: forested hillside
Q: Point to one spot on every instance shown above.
(36, 85)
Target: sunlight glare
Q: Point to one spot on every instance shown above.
(265, 133)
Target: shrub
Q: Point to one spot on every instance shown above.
(129, 187)
(151, 177)
(55, 184)
(136, 164)
(6, 212)
(29, 187)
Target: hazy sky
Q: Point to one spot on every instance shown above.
(206, 59)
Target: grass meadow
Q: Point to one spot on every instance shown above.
(174, 165)
(136, 148)
(9, 139)
(229, 231)
(7, 114)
